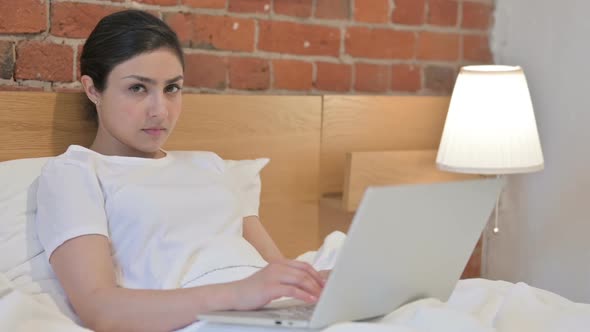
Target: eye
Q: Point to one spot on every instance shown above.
(137, 88)
(172, 88)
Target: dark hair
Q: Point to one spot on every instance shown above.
(119, 37)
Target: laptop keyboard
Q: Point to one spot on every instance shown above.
(301, 312)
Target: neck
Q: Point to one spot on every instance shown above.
(109, 146)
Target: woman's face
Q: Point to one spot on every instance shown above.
(139, 107)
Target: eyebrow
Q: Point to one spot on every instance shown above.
(152, 81)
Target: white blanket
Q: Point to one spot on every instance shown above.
(22, 312)
(476, 305)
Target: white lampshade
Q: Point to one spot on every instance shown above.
(490, 127)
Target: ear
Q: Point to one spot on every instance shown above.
(90, 89)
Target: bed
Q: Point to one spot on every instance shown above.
(324, 151)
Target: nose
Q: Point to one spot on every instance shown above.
(158, 107)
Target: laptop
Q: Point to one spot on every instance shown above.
(405, 243)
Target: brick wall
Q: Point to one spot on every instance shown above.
(264, 46)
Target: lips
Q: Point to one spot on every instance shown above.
(154, 131)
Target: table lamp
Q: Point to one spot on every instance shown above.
(490, 126)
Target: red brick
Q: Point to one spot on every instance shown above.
(78, 73)
(372, 11)
(333, 9)
(20, 88)
(409, 12)
(183, 25)
(6, 59)
(380, 43)
(249, 74)
(76, 20)
(443, 12)
(440, 79)
(438, 46)
(249, 6)
(333, 77)
(295, 38)
(476, 15)
(477, 48)
(372, 78)
(298, 8)
(406, 78)
(23, 16)
(158, 2)
(212, 4)
(44, 62)
(292, 75)
(224, 32)
(205, 71)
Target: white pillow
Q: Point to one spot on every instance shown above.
(245, 176)
(19, 243)
(22, 258)
(20, 251)
(18, 205)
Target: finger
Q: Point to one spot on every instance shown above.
(287, 274)
(309, 269)
(302, 280)
(294, 292)
(291, 265)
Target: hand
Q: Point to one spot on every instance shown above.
(280, 278)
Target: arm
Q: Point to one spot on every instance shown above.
(103, 306)
(256, 234)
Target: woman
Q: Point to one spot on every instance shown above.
(126, 224)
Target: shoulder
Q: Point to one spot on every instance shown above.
(75, 158)
(72, 175)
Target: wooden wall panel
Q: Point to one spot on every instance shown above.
(376, 123)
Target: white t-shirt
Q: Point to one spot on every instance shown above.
(170, 221)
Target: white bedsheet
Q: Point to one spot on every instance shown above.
(476, 305)
(22, 312)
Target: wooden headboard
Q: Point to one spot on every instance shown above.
(306, 137)
(283, 128)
